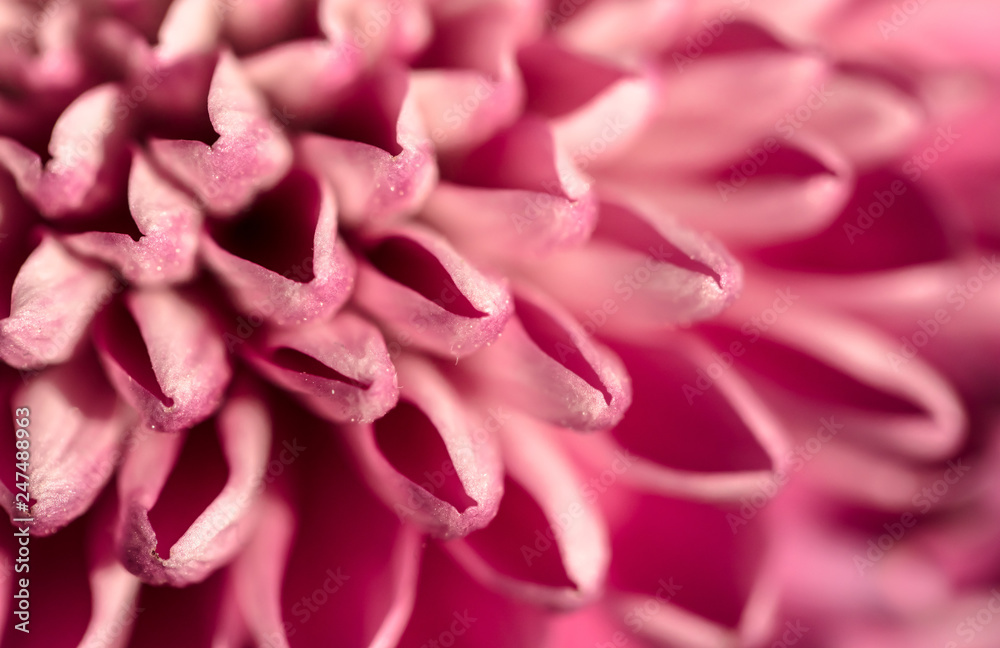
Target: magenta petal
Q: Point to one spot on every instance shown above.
(426, 459)
(316, 281)
(388, 178)
(469, 85)
(114, 591)
(507, 555)
(165, 357)
(449, 595)
(169, 222)
(256, 573)
(77, 425)
(251, 155)
(322, 71)
(696, 126)
(86, 141)
(404, 28)
(339, 368)
(527, 195)
(640, 273)
(510, 224)
(244, 431)
(596, 109)
(621, 31)
(710, 581)
(189, 27)
(369, 574)
(812, 364)
(547, 364)
(55, 295)
(719, 443)
(425, 294)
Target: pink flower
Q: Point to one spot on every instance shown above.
(407, 323)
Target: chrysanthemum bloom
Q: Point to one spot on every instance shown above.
(495, 323)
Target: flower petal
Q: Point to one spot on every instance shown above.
(339, 368)
(688, 435)
(54, 298)
(424, 293)
(77, 426)
(772, 191)
(357, 586)
(547, 544)
(164, 356)
(294, 270)
(244, 432)
(168, 221)
(87, 152)
(426, 460)
(546, 364)
(389, 173)
(810, 364)
(467, 83)
(251, 155)
(640, 273)
(527, 195)
(708, 582)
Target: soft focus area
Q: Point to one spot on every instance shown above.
(500, 323)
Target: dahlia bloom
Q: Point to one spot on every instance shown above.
(503, 323)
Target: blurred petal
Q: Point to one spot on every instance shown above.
(686, 434)
(809, 364)
(378, 159)
(86, 147)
